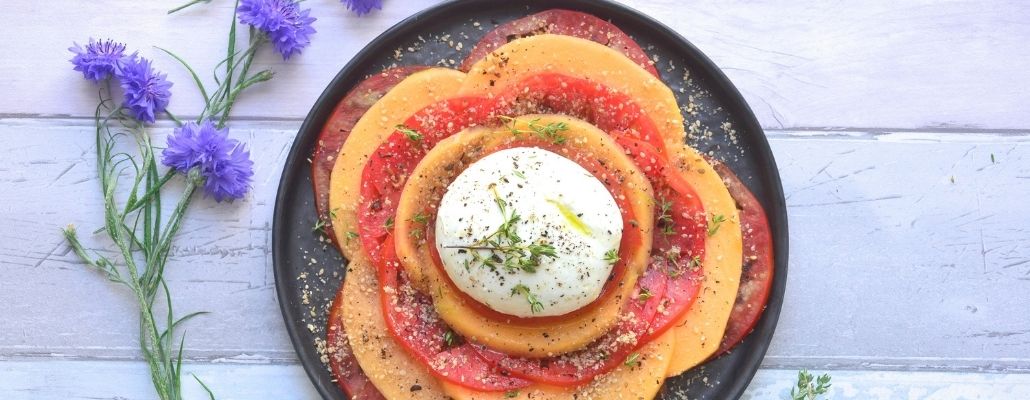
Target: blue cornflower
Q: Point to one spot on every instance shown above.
(99, 59)
(208, 153)
(362, 7)
(146, 91)
(287, 26)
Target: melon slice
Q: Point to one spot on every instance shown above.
(396, 374)
(410, 95)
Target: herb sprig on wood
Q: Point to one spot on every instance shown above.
(810, 387)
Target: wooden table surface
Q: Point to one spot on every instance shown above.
(901, 130)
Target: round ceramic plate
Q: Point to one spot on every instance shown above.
(308, 270)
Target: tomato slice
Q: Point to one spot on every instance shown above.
(387, 169)
(607, 109)
(561, 22)
(411, 319)
(338, 127)
(603, 355)
(757, 275)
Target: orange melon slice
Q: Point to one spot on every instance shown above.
(410, 95)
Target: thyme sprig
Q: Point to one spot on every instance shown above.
(665, 217)
(809, 387)
(550, 131)
(504, 247)
(412, 134)
(715, 223)
(534, 304)
(612, 256)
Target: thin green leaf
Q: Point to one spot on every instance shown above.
(210, 394)
(187, 5)
(181, 320)
(229, 67)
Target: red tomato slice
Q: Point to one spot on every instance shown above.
(679, 234)
(411, 319)
(757, 275)
(561, 22)
(387, 169)
(347, 113)
(601, 356)
(607, 109)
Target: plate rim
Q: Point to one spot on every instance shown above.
(322, 107)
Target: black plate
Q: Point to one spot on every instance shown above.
(295, 245)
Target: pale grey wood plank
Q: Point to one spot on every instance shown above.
(892, 265)
(881, 63)
(75, 380)
(221, 261)
(130, 380)
(889, 385)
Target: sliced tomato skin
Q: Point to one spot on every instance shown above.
(757, 274)
(338, 127)
(679, 235)
(561, 22)
(387, 170)
(602, 356)
(411, 319)
(608, 110)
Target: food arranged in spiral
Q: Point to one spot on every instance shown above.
(532, 226)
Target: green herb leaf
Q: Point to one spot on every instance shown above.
(549, 131)
(535, 305)
(319, 226)
(611, 256)
(665, 217)
(448, 339)
(808, 387)
(644, 294)
(715, 223)
(511, 394)
(633, 360)
(410, 133)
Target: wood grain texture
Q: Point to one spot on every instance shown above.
(881, 63)
(90, 380)
(888, 255)
(910, 250)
